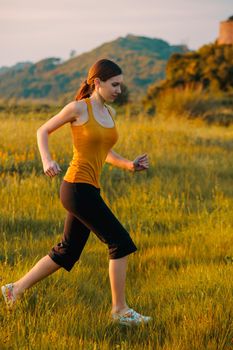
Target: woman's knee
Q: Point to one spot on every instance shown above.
(64, 255)
(119, 250)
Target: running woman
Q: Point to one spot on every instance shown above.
(94, 134)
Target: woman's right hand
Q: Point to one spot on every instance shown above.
(51, 168)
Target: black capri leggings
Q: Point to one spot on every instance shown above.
(87, 212)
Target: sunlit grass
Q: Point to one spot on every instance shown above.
(179, 214)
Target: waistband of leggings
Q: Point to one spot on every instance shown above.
(80, 185)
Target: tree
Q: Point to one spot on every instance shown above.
(122, 98)
(72, 53)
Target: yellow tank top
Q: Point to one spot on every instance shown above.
(91, 144)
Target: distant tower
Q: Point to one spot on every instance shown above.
(226, 32)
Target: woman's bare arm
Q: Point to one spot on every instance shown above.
(118, 161)
(68, 114)
(139, 163)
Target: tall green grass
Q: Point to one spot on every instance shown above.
(179, 213)
(213, 108)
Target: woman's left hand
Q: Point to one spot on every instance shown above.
(141, 163)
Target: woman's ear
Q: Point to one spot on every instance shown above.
(97, 82)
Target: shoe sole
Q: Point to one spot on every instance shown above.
(131, 324)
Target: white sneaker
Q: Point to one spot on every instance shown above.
(8, 294)
(130, 317)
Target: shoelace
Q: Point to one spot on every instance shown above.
(132, 314)
(10, 294)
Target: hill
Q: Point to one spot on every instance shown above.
(142, 59)
(198, 84)
(17, 67)
(210, 68)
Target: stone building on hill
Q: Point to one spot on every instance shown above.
(226, 32)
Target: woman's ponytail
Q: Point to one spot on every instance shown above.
(84, 91)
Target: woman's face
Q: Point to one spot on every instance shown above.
(110, 88)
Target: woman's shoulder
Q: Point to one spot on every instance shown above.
(77, 106)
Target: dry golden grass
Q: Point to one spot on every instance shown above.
(179, 213)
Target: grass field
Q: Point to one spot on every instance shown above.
(179, 214)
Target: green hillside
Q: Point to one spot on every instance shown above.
(142, 59)
(209, 68)
(197, 84)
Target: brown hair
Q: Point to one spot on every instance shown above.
(103, 69)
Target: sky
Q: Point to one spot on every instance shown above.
(33, 30)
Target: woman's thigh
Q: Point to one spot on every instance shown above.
(86, 204)
(75, 232)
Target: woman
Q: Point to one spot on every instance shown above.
(94, 133)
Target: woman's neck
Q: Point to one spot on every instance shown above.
(98, 100)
